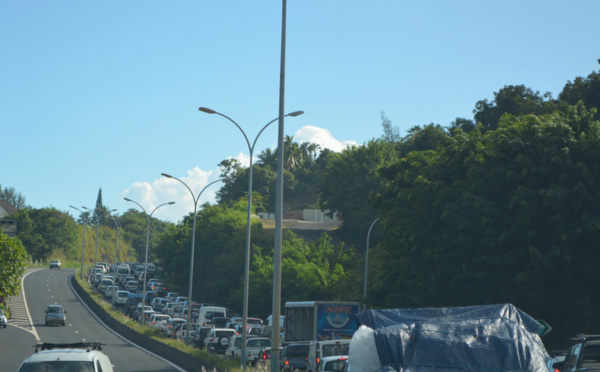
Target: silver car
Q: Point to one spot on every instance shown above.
(55, 314)
(3, 320)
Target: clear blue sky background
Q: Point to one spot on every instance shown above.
(105, 94)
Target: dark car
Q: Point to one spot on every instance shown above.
(55, 314)
(295, 357)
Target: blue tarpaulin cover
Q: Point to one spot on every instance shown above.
(475, 338)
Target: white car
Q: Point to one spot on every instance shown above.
(80, 356)
(156, 320)
(218, 339)
(253, 347)
(335, 363)
(169, 326)
(120, 299)
(3, 321)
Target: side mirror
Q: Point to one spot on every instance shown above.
(558, 365)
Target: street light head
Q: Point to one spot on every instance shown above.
(166, 175)
(171, 203)
(127, 199)
(207, 110)
(296, 113)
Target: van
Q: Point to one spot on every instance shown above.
(206, 313)
(123, 270)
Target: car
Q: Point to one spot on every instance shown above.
(172, 296)
(181, 333)
(168, 327)
(105, 283)
(295, 356)
(220, 322)
(218, 339)
(120, 299)
(555, 359)
(110, 292)
(157, 320)
(55, 314)
(264, 359)
(171, 308)
(253, 347)
(55, 264)
(80, 356)
(3, 321)
(131, 286)
(336, 363)
(200, 335)
(584, 355)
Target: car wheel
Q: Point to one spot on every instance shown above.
(63, 324)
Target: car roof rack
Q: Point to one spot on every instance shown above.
(584, 337)
(88, 346)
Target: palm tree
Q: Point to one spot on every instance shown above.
(268, 158)
(293, 154)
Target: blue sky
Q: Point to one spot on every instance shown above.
(106, 94)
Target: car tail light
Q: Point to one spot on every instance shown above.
(318, 360)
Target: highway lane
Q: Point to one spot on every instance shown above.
(45, 286)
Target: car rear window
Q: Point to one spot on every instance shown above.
(295, 351)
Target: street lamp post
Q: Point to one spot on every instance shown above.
(85, 222)
(116, 240)
(195, 199)
(148, 216)
(248, 230)
(96, 212)
(367, 264)
(277, 248)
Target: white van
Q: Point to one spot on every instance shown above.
(206, 313)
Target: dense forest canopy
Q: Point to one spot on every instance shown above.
(503, 207)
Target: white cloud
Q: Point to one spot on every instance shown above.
(164, 190)
(322, 137)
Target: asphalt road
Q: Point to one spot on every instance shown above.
(26, 326)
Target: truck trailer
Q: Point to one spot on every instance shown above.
(326, 326)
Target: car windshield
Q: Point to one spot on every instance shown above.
(55, 309)
(58, 366)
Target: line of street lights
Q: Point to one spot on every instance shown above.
(195, 199)
(148, 216)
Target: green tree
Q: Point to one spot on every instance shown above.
(512, 99)
(586, 90)
(348, 181)
(9, 194)
(507, 216)
(13, 261)
(46, 231)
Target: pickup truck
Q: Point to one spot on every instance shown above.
(583, 356)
